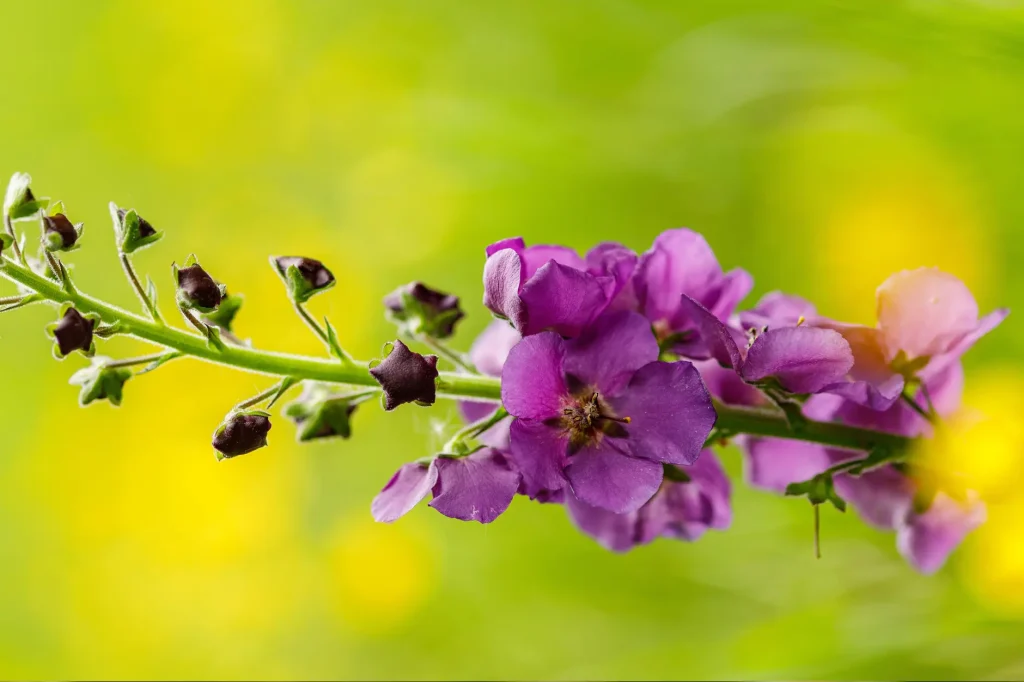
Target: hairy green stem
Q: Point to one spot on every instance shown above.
(129, 272)
(9, 227)
(452, 356)
(733, 420)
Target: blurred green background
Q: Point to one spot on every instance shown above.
(822, 145)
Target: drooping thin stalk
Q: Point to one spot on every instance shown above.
(147, 303)
(732, 419)
(442, 349)
(817, 531)
(260, 397)
(8, 300)
(474, 429)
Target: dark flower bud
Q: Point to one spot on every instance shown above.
(99, 382)
(303, 276)
(321, 413)
(19, 202)
(73, 332)
(406, 377)
(241, 433)
(133, 231)
(422, 310)
(59, 234)
(196, 289)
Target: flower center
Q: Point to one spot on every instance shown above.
(587, 418)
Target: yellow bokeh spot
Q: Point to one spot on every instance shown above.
(994, 559)
(383, 573)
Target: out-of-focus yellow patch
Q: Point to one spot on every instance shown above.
(383, 573)
(984, 441)
(994, 558)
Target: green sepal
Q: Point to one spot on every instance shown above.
(321, 412)
(6, 241)
(282, 388)
(907, 367)
(333, 343)
(166, 357)
(676, 474)
(225, 313)
(299, 290)
(100, 383)
(27, 300)
(818, 490)
(213, 339)
(129, 237)
(53, 242)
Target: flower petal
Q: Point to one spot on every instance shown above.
(777, 309)
(960, 345)
(926, 540)
(503, 277)
(670, 412)
(490, 349)
(921, 311)
(539, 453)
(615, 532)
(881, 496)
(475, 488)
(515, 243)
(803, 359)
(532, 380)
(871, 381)
(407, 487)
(689, 509)
(679, 262)
(611, 350)
(541, 254)
(730, 289)
(606, 477)
(562, 299)
(722, 342)
(774, 463)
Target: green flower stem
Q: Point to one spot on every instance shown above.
(129, 271)
(311, 323)
(132, 362)
(733, 420)
(463, 386)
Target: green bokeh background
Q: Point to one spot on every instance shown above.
(821, 145)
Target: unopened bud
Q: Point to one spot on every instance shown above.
(241, 433)
(406, 377)
(423, 310)
(59, 234)
(19, 202)
(303, 276)
(99, 382)
(73, 332)
(196, 289)
(321, 413)
(133, 231)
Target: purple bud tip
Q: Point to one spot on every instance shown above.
(73, 332)
(197, 287)
(145, 229)
(434, 312)
(59, 225)
(312, 270)
(242, 433)
(406, 377)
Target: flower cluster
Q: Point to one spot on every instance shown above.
(611, 367)
(603, 385)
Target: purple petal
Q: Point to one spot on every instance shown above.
(615, 532)
(732, 288)
(532, 381)
(606, 477)
(503, 277)
(542, 254)
(881, 496)
(475, 488)
(726, 385)
(561, 299)
(539, 452)
(670, 412)
(803, 359)
(776, 309)
(611, 350)
(689, 509)
(617, 262)
(515, 243)
(407, 487)
(774, 463)
(722, 342)
(491, 347)
(926, 540)
(921, 311)
(957, 347)
(679, 262)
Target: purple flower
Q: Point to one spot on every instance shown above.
(680, 262)
(801, 359)
(601, 414)
(488, 354)
(549, 287)
(479, 487)
(679, 510)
